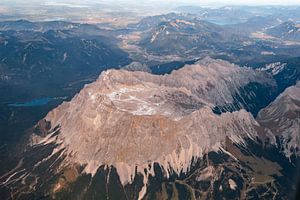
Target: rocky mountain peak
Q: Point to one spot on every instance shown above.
(131, 126)
(282, 117)
(132, 120)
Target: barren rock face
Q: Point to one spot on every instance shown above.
(282, 117)
(134, 133)
(134, 119)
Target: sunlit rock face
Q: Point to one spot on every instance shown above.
(137, 130)
(282, 117)
(134, 119)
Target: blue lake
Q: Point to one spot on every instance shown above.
(35, 102)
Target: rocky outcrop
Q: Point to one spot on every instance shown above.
(136, 66)
(282, 117)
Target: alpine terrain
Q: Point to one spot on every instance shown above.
(133, 135)
(149, 100)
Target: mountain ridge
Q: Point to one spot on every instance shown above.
(143, 129)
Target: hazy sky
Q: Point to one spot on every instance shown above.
(240, 2)
(244, 2)
(199, 2)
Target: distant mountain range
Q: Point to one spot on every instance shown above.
(152, 21)
(44, 53)
(287, 31)
(188, 37)
(229, 15)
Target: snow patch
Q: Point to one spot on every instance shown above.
(232, 184)
(65, 56)
(274, 68)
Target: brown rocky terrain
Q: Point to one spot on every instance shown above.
(282, 117)
(126, 123)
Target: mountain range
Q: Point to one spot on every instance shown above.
(133, 135)
(198, 103)
(287, 30)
